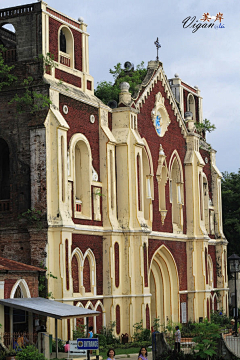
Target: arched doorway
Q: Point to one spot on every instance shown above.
(164, 287)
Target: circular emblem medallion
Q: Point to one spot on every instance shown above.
(92, 119)
(65, 109)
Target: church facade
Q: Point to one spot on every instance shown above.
(124, 204)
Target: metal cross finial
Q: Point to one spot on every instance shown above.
(157, 46)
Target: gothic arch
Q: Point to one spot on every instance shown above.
(77, 276)
(89, 305)
(164, 286)
(24, 288)
(92, 261)
(148, 188)
(172, 158)
(79, 304)
(99, 303)
(79, 255)
(149, 155)
(176, 191)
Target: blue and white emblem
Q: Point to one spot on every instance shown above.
(158, 124)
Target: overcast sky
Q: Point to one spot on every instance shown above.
(209, 58)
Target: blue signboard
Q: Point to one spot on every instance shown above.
(87, 344)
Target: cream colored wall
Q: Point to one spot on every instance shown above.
(125, 224)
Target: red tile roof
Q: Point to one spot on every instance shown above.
(11, 265)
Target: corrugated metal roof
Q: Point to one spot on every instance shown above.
(49, 308)
(11, 265)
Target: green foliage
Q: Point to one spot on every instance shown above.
(106, 90)
(156, 324)
(107, 332)
(30, 353)
(206, 339)
(205, 126)
(188, 329)
(140, 334)
(32, 216)
(231, 210)
(222, 320)
(6, 78)
(80, 332)
(60, 345)
(31, 101)
(47, 61)
(42, 285)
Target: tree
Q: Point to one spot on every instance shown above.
(231, 210)
(106, 90)
(204, 127)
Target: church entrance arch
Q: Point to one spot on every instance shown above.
(164, 287)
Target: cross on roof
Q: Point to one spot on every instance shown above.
(157, 46)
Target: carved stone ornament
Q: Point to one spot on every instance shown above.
(160, 117)
(163, 215)
(94, 174)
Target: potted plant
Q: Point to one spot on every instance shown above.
(11, 354)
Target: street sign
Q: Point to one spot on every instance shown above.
(87, 344)
(74, 349)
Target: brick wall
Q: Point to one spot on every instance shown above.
(173, 139)
(78, 118)
(53, 42)
(178, 250)
(83, 242)
(31, 280)
(68, 78)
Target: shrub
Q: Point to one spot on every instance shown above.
(30, 353)
(206, 339)
(107, 332)
(141, 334)
(80, 332)
(60, 345)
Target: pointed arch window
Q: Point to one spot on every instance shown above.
(83, 272)
(176, 192)
(148, 192)
(162, 177)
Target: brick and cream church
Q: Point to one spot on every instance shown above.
(130, 197)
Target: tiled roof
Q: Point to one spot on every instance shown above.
(11, 265)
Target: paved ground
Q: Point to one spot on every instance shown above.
(122, 356)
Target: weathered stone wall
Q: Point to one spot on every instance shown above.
(27, 21)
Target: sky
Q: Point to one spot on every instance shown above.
(125, 30)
